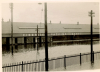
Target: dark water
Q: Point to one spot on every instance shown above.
(6, 49)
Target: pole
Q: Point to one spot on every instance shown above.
(91, 40)
(46, 38)
(91, 15)
(65, 61)
(12, 26)
(80, 58)
(37, 48)
(22, 66)
(37, 38)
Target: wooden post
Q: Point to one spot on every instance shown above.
(91, 15)
(22, 66)
(91, 40)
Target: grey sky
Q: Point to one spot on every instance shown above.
(66, 12)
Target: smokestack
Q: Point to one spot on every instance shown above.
(60, 22)
(2, 20)
(77, 23)
(50, 21)
(9, 20)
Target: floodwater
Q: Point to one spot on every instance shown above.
(29, 53)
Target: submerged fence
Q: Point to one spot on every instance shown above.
(54, 63)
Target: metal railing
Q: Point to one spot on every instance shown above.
(54, 63)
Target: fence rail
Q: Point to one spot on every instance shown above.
(54, 63)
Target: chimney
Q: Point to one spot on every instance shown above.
(60, 22)
(9, 20)
(77, 23)
(50, 21)
(2, 20)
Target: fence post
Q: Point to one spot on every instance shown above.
(65, 61)
(80, 58)
(22, 66)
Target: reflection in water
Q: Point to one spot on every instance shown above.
(5, 49)
(30, 47)
(16, 48)
(28, 52)
(92, 65)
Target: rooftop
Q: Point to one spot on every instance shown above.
(23, 27)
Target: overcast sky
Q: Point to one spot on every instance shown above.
(66, 12)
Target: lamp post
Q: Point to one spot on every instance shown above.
(41, 14)
(91, 15)
(11, 6)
